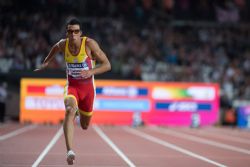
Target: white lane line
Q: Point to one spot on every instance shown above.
(219, 135)
(113, 146)
(203, 141)
(49, 146)
(17, 132)
(231, 132)
(171, 146)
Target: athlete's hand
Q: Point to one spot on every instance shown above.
(86, 73)
(43, 66)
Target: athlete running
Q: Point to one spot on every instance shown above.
(80, 54)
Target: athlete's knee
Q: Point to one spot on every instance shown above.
(70, 110)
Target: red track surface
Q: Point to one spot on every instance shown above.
(23, 145)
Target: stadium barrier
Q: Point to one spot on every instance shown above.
(160, 103)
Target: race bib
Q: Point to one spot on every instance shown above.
(74, 69)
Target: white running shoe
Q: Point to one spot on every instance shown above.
(70, 157)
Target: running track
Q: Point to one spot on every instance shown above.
(121, 146)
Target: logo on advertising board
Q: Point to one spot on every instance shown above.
(51, 99)
(43, 103)
(129, 91)
(46, 90)
(54, 90)
(122, 105)
(183, 106)
(191, 92)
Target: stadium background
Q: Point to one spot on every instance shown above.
(149, 40)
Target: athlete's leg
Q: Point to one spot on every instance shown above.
(85, 106)
(85, 118)
(68, 124)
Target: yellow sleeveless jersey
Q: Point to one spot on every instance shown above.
(76, 63)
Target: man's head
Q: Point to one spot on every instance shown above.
(73, 28)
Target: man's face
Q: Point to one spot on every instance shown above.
(73, 32)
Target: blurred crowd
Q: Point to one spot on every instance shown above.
(143, 39)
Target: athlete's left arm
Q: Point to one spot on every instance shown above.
(96, 53)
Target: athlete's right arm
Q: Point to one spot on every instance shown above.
(58, 47)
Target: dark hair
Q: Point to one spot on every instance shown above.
(73, 21)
